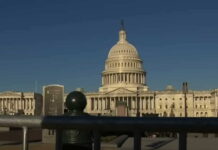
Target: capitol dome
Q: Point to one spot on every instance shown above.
(123, 47)
(123, 67)
(169, 88)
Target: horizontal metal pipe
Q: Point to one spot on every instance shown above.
(131, 123)
(20, 121)
(114, 123)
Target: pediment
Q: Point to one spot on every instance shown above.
(121, 91)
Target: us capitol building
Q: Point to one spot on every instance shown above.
(124, 91)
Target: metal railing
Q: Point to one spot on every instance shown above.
(98, 125)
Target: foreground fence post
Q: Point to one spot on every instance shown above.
(97, 140)
(58, 144)
(137, 140)
(182, 141)
(25, 138)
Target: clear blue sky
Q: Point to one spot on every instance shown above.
(67, 42)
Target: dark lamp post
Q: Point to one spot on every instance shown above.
(137, 98)
(185, 91)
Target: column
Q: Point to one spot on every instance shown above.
(141, 104)
(99, 104)
(94, 108)
(2, 104)
(108, 103)
(129, 77)
(151, 103)
(141, 78)
(146, 103)
(117, 76)
(8, 103)
(105, 103)
(105, 80)
(15, 100)
(94, 104)
(115, 101)
(109, 79)
(101, 107)
(133, 78)
(133, 102)
(31, 105)
(129, 103)
(137, 78)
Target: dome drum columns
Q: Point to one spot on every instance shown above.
(128, 78)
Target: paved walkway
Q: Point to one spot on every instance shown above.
(172, 144)
(32, 146)
(147, 144)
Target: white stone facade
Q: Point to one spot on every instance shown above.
(124, 81)
(12, 103)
